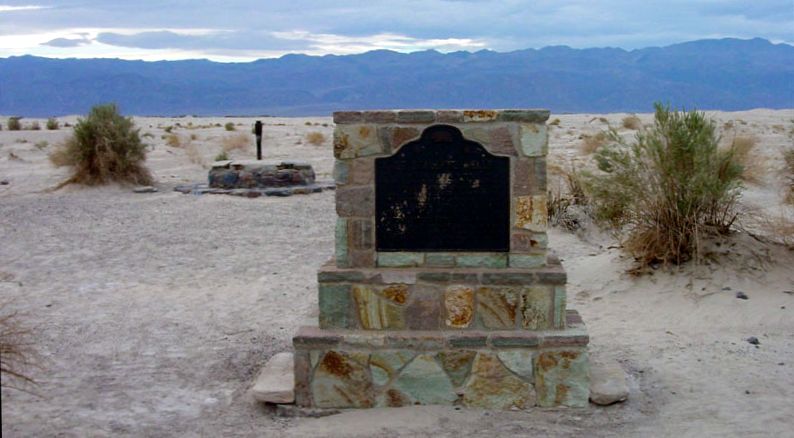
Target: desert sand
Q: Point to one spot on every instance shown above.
(153, 312)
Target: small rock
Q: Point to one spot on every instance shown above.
(753, 340)
(726, 288)
(742, 296)
(145, 189)
(607, 383)
(276, 381)
(4, 182)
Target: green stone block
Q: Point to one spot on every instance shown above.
(467, 340)
(424, 382)
(335, 306)
(534, 140)
(400, 259)
(527, 261)
(341, 171)
(559, 306)
(440, 260)
(562, 378)
(342, 258)
(482, 261)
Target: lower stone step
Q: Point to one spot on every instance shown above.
(275, 382)
(487, 369)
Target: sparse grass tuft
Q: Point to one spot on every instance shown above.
(105, 147)
(41, 145)
(751, 162)
(235, 142)
(564, 202)
(555, 122)
(669, 188)
(592, 142)
(52, 124)
(35, 126)
(194, 155)
(222, 156)
(229, 126)
(316, 138)
(14, 124)
(632, 122)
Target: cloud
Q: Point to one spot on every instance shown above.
(248, 29)
(7, 8)
(68, 42)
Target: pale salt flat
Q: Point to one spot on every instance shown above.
(154, 312)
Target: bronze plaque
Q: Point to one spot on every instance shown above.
(442, 193)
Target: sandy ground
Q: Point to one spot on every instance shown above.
(153, 312)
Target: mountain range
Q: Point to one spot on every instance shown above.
(724, 74)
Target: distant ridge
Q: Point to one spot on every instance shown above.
(725, 74)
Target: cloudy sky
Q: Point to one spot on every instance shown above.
(242, 30)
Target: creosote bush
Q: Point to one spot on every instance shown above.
(17, 352)
(315, 138)
(35, 126)
(14, 124)
(52, 124)
(229, 126)
(669, 188)
(105, 147)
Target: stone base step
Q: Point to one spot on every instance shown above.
(275, 382)
(487, 369)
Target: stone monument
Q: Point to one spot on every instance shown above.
(442, 289)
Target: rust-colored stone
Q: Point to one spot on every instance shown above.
(397, 293)
(335, 364)
(480, 115)
(459, 304)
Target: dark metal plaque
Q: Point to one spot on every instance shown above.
(442, 193)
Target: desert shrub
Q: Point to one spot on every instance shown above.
(669, 188)
(52, 124)
(555, 122)
(14, 124)
(222, 156)
(41, 145)
(238, 141)
(193, 137)
(315, 138)
(229, 126)
(148, 135)
(17, 353)
(752, 163)
(35, 126)
(174, 141)
(632, 122)
(592, 142)
(168, 129)
(105, 147)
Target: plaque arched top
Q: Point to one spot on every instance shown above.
(442, 192)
